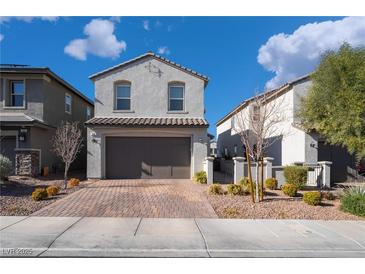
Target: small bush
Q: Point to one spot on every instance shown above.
(296, 175)
(39, 194)
(271, 183)
(200, 177)
(234, 189)
(290, 189)
(245, 184)
(312, 198)
(328, 196)
(215, 189)
(52, 190)
(5, 167)
(74, 182)
(353, 201)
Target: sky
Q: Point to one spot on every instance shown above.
(240, 55)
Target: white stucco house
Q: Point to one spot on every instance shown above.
(294, 145)
(149, 121)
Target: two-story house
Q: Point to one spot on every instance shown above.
(149, 121)
(294, 145)
(33, 102)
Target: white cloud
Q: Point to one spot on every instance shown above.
(146, 25)
(100, 41)
(163, 50)
(292, 55)
(1, 37)
(115, 19)
(28, 19)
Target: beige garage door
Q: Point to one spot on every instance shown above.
(152, 157)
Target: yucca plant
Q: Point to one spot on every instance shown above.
(353, 200)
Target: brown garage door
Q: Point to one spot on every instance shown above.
(152, 157)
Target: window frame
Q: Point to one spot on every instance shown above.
(11, 94)
(68, 95)
(179, 85)
(122, 84)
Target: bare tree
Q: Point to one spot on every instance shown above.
(257, 123)
(67, 143)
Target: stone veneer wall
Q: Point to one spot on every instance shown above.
(27, 162)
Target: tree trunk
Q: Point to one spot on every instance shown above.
(250, 175)
(257, 190)
(65, 176)
(262, 180)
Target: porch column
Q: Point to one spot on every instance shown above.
(326, 173)
(208, 168)
(268, 166)
(238, 163)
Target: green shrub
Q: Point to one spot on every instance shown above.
(271, 183)
(328, 196)
(245, 184)
(74, 182)
(215, 189)
(52, 190)
(5, 167)
(234, 189)
(353, 201)
(312, 198)
(39, 194)
(200, 177)
(296, 175)
(290, 189)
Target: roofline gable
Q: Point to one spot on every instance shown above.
(155, 56)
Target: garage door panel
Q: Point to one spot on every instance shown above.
(152, 157)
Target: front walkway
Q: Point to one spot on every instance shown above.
(134, 198)
(136, 237)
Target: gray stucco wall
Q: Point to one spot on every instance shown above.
(95, 150)
(149, 91)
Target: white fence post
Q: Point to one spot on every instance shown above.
(326, 173)
(237, 169)
(268, 167)
(208, 168)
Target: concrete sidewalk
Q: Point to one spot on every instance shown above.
(136, 237)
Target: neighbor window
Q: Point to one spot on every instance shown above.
(88, 113)
(176, 97)
(123, 97)
(17, 92)
(68, 103)
(256, 113)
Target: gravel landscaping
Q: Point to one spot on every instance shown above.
(276, 206)
(15, 194)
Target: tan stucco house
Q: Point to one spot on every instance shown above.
(149, 121)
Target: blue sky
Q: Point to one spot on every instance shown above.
(226, 49)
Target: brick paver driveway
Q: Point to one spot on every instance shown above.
(134, 198)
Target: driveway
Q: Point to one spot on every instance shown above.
(134, 198)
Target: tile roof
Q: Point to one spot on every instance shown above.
(158, 57)
(140, 121)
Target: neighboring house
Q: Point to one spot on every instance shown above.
(295, 145)
(33, 102)
(149, 121)
(212, 151)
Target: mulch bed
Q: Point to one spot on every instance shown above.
(276, 206)
(15, 194)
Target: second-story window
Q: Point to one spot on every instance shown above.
(17, 91)
(123, 97)
(68, 103)
(176, 97)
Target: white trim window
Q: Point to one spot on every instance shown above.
(17, 93)
(88, 113)
(176, 97)
(68, 103)
(123, 97)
